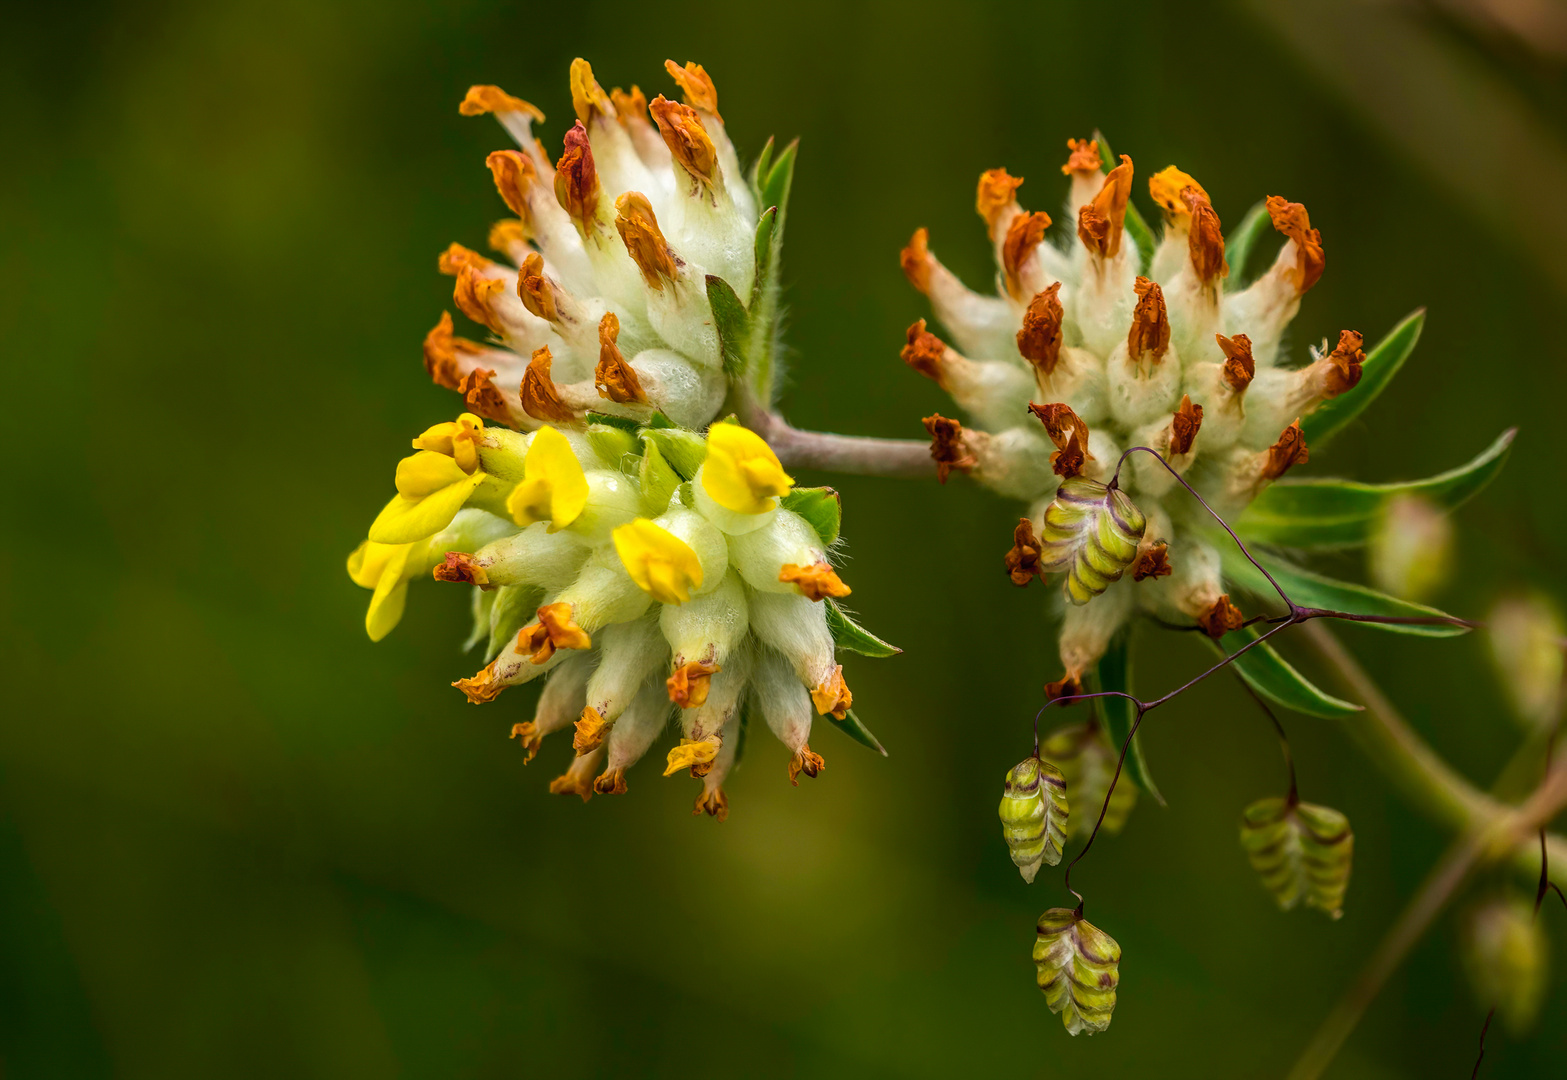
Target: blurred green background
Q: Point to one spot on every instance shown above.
(237, 839)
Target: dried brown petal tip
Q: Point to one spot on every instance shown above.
(1152, 562)
(483, 397)
(1039, 342)
(924, 351)
(1220, 618)
(513, 174)
(686, 138)
(817, 581)
(916, 261)
(536, 291)
(577, 178)
(1205, 241)
(1099, 223)
(645, 242)
(440, 353)
(614, 378)
(587, 96)
(1239, 367)
(461, 568)
(1026, 232)
(689, 685)
(554, 629)
(1288, 451)
(482, 687)
(573, 782)
(1166, 188)
(1067, 430)
(455, 257)
(1149, 336)
(947, 447)
(1084, 157)
(997, 192)
(1184, 426)
(589, 730)
(1068, 685)
(805, 761)
(474, 294)
(610, 782)
(1292, 220)
(492, 99)
(714, 803)
(629, 108)
(1023, 560)
(528, 733)
(506, 235)
(1346, 358)
(540, 399)
(695, 85)
(832, 695)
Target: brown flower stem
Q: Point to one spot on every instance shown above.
(1428, 782)
(1488, 841)
(858, 455)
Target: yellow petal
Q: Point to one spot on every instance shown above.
(554, 488)
(367, 562)
(690, 752)
(662, 564)
(405, 519)
(425, 473)
(741, 472)
(458, 439)
(391, 593)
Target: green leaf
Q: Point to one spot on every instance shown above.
(1382, 363)
(683, 450)
(1344, 513)
(850, 725)
(624, 423)
(659, 479)
(1117, 714)
(850, 635)
(1135, 225)
(1314, 590)
(766, 232)
(659, 420)
(729, 316)
(514, 606)
(779, 180)
(760, 168)
(1241, 241)
(1268, 673)
(821, 506)
(611, 442)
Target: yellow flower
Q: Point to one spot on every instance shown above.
(554, 487)
(458, 440)
(741, 472)
(431, 488)
(662, 564)
(384, 568)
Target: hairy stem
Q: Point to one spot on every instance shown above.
(859, 455)
(1491, 840)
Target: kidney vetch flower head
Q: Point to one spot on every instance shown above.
(645, 567)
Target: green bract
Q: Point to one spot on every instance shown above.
(1301, 851)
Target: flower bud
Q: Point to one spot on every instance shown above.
(1034, 815)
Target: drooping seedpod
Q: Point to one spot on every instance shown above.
(1078, 967)
(1034, 815)
(1091, 533)
(1507, 959)
(1087, 763)
(1301, 851)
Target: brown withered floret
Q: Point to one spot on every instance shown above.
(1100, 222)
(695, 86)
(1026, 233)
(689, 684)
(492, 99)
(1292, 220)
(553, 629)
(573, 782)
(1220, 618)
(1084, 157)
(528, 733)
(1184, 426)
(610, 782)
(1067, 430)
(832, 695)
(506, 235)
(915, 260)
(816, 581)
(1068, 685)
(1039, 341)
(1150, 333)
(629, 107)
(947, 447)
(577, 178)
(536, 291)
(1023, 560)
(1239, 367)
(461, 568)
(714, 803)
(1205, 241)
(588, 731)
(645, 242)
(455, 257)
(614, 378)
(997, 191)
(1093, 229)
(1346, 358)
(482, 687)
(806, 761)
(513, 174)
(588, 99)
(540, 399)
(483, 397)
(686, 138)
(440, 353)
(474, 295)
(924, 351)
(1152, 562)
(1289, 450)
